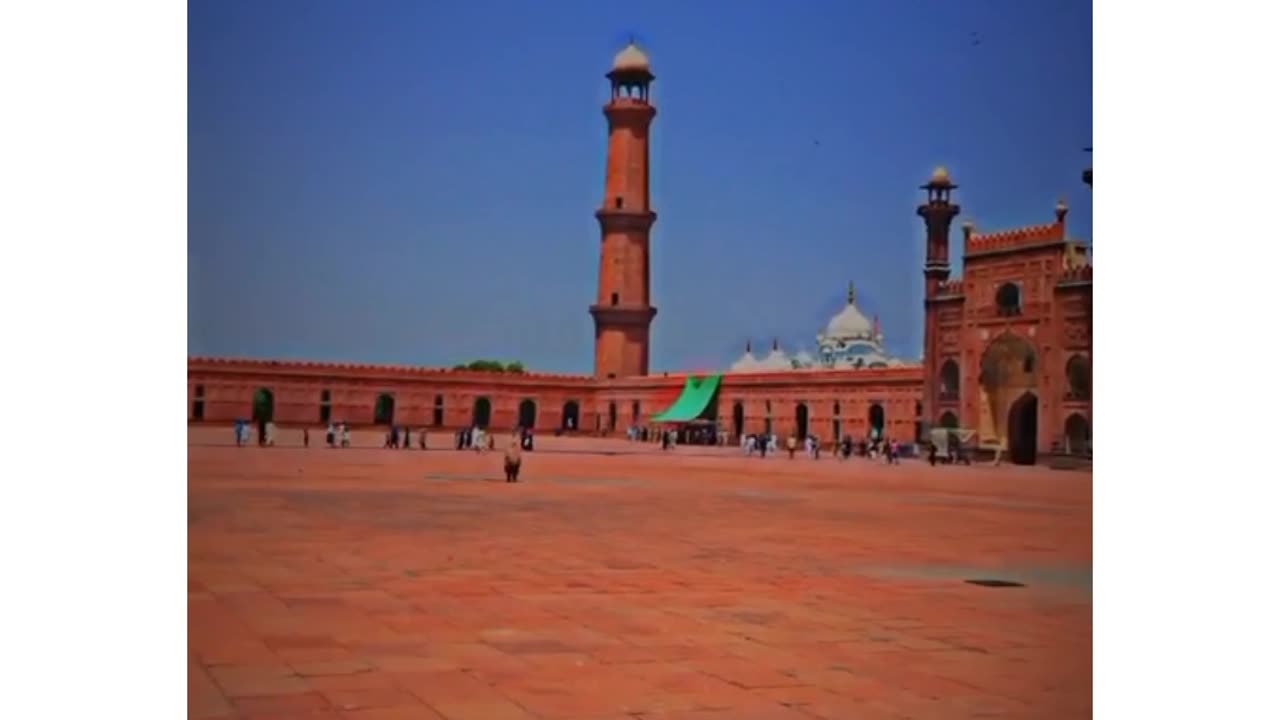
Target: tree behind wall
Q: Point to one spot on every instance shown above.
(491, 366)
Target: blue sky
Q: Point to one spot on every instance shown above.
(414, 182)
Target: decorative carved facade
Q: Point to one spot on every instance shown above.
(1009, 343)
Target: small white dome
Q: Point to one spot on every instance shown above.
(631, 57)
(746, 363)
(776, 359)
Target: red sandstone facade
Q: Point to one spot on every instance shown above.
(1049, 320)
(1009, 344)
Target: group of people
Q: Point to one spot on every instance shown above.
(873, 448)
(244, 433)
(335, 435)
(402, 438)
(683, 435)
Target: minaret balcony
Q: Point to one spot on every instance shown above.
(615, 218)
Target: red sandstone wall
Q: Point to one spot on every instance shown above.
(229, 387)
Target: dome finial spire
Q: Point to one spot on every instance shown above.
(852, 295)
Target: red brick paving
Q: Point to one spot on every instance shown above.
(372, 584)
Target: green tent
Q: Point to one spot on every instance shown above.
(693, 400)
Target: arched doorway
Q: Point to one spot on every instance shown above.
(802, 420)
(384, 410)
(480, 412)
(875, 419)
(1078, 378)
(1077, 435)
(613, 416)
(949, 381)
(1007, 373)
(528, 413)
(948, 420)
(569, 415)
(264, 406)
(739, 420)
(1023, 417)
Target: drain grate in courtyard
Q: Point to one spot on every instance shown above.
(993, 583)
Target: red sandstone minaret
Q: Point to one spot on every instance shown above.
(622, 311)
(938, 212)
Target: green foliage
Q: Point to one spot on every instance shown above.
(497, 366)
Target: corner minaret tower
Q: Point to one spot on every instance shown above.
(937, 212)
(622, 311)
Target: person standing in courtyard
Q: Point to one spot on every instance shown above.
(329, 435)
(791, 447)
(511, 460)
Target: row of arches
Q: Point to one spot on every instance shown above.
(1078, 372)
(1023, 420)
(384, 410)
(875, 419)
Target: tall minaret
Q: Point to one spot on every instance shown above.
(622, 311)
(937, 212)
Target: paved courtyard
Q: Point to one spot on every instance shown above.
(374, 584)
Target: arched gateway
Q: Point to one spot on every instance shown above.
(569, 416)
(528, 413)
(802, 420)
(481, 412)
(1010, 407)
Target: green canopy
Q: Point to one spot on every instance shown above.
(693, 400)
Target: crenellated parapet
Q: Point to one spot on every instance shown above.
(978, 243)
(408, 372)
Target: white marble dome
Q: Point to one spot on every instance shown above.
(631, 57)
(850, 322)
